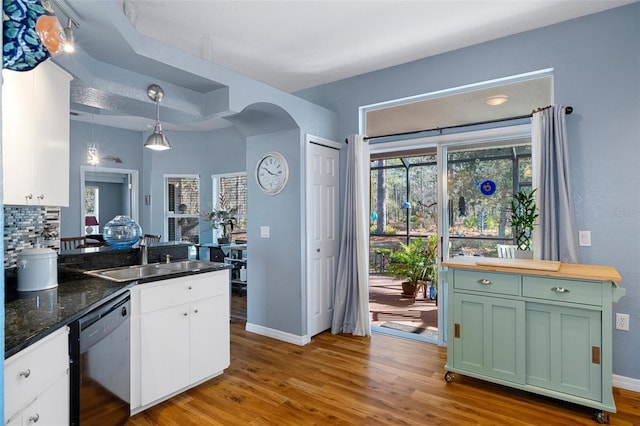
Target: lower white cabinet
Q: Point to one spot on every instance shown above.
(180, 335)
(37, 383)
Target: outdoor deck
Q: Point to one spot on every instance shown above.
(390, 309)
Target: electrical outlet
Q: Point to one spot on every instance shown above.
(622, 322)
(584, 238)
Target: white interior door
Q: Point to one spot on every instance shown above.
(323, 161)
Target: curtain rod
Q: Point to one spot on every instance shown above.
(568, 110)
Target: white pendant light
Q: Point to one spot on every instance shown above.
(157, 141)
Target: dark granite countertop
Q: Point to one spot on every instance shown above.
(30, 316)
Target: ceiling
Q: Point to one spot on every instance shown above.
(297, 44)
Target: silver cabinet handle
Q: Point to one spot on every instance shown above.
(25, 374)
(34, 419)
(484, 281)
(559, 290)
(40, 197)
(28, 196)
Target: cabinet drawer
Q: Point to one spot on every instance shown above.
(559, 290)
(30, 371)
(487, 282)
(183, 290)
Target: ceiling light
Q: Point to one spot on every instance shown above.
(157, 141)
(69, 45)
(497, 100)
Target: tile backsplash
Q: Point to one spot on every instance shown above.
(25, 226)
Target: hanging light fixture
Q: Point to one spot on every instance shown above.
(157, 141)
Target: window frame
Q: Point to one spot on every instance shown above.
(172, 214)
(215, 193)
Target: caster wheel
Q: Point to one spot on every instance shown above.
(448, 377)
(601, 417)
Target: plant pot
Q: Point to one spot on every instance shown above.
(409, 289)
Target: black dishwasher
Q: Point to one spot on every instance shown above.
(99, 370)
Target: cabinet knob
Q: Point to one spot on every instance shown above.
(28, 196)
(195, 311)
(484, 281)
(189, 287)
(34, 419)
(559, 290)
(26, 373)
(185, 314)
(40, 197)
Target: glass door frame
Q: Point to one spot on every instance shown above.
(472, 138)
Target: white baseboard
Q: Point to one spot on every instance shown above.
(277, 334)
(626, 383)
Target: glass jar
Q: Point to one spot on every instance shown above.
(121, 232)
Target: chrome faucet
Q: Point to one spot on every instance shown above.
(143, 252)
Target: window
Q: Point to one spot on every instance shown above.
(230, 191)
(182, 194)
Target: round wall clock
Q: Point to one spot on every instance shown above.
(272, 173)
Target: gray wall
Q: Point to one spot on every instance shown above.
(125, 144)
(596, 62)
(274, 270)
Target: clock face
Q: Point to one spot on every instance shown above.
(272, 173)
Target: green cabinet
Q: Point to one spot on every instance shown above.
(491, 336)
(546, 332)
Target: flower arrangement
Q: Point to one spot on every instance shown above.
(222, 218)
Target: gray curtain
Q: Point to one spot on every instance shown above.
(556, 236)
(351, 302)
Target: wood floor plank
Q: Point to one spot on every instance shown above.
(346, 380)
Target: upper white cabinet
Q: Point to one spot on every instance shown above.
(35, 136)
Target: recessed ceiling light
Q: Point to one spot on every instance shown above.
(497, 100)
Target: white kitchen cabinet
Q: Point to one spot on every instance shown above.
(37, 382)
(546, 331)
(35, 136)
(179, 336)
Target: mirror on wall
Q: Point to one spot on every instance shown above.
(105, 193)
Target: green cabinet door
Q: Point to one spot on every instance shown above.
(488, 336)
(563, 349)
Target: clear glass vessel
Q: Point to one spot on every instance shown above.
(121, 232)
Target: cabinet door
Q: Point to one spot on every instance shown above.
(164, 352)
(17, 136)
(563, 349)
(51, 407)
(209, 336)
(51, 143)
(489, 336)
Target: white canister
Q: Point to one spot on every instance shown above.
(37, 269)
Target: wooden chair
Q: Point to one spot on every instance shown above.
(151, 238)
(507, 251)
(70, 243)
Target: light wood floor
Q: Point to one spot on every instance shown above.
(381, 380)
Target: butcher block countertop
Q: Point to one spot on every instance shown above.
(536, 267)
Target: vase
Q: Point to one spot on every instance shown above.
(121, 232)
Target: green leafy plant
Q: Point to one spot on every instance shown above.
(415, 263)
(522, 216)
(222, 218)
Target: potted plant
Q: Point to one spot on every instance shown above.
(222, 218)
(413, 263)
(522, 216)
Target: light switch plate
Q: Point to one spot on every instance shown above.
(584, 238)
(265, 232)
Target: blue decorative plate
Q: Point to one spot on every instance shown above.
(488, 187)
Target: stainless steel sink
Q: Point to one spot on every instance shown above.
(137, 272)
(184, 265)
